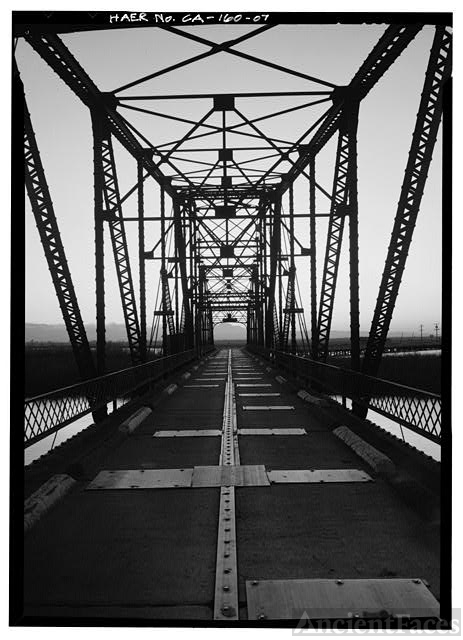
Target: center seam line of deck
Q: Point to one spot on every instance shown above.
(226, 578)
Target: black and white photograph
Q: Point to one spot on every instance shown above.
(231, 331)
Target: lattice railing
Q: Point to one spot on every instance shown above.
(50, 412)
(412, 408)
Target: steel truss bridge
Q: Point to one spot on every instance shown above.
(227, 247)
(228, 244)
(233, 249)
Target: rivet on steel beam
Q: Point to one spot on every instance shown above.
(416, 581)
(226, 588)
(261, 616)
(339, 581)
(254, 582)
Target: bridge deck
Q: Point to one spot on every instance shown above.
(152, 553)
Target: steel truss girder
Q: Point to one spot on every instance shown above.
(338, 213)
(389, 47)
(55, 53)
(419, 160)
(167, 303)
(47, 225)
(113, 215)
(180, 244)
(289, 312)
(271, 316)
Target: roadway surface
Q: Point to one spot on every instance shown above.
(156, 553)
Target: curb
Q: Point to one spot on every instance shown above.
(131, 423)
(307, 397)
(377, 460)
(170, 389)
(42, 500)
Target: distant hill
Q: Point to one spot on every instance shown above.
(116, 332)
(58, 333)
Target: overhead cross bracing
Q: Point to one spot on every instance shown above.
(226, 237)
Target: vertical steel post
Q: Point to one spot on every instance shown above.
(338, 212)
(313, 258)
(141, 261)
(275, 247)
(177, 315)
(260, 275)
(292, 300)
(163, 269)
(352, 126)
(280, 295)
(182, 267)
(97, 126)
(190, 224)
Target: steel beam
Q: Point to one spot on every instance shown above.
(419, 160)
(47, 225)
(389, 47)
(352, 124)
(112, 212)
(271, 329)
(339, 211)
(55, 53)
(99, 245)
(313, 259)
(141, 260)
(180, 244)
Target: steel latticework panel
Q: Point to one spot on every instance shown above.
(419, 159)
(338, 214)
(113, 215)
(47, 225)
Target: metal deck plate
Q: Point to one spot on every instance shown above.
(200, 386)
(187, 433)
(328, 599)
(254, 384)
(259, 395)
(230, 476)
(318, 475)
(273, 432)
(277, 407)
(142, 479)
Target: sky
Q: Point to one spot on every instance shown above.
(332, 52)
